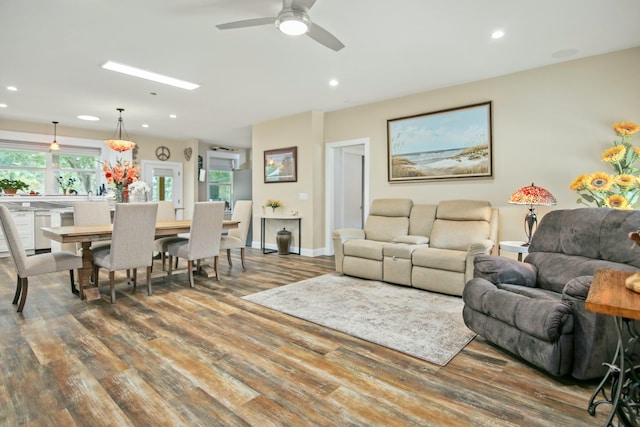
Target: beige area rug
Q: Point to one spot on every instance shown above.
(416, 322)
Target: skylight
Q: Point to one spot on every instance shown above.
(148, 75)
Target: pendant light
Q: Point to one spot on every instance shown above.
(120, 144)
(54, 146)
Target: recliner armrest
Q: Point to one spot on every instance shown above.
(498, 269)
(577, 289)
(345, 234)
(482, 247)
(340, 236)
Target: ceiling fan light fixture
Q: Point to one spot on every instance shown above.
(293, 22)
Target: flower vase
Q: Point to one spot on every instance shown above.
(273, 211)
(122, 195)
(64, 191)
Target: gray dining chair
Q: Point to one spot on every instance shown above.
(134, 226)
(33, 265)
(237, 237)
(204, 238)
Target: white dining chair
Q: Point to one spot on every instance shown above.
(134, 226)
(93, 213)
(166, 212)
(236, 238)
(204, 238)
(33, 265)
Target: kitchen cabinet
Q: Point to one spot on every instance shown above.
(25, 224)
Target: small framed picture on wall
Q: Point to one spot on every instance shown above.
(281, 165)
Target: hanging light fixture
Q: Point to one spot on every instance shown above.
(54, 146)
(120, 144)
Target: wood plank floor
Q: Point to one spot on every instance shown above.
(205, 357)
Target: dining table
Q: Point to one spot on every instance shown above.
(86, 235)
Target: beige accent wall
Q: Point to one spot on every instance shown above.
(550, 125)
(304, 131)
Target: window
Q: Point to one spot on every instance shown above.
(76, 167)
(77, 171)
(25, 165)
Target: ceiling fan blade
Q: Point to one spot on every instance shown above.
(246, 23)
(302, 4)
(324, 37)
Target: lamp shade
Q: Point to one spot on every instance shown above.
(54, 146)
(532, 195)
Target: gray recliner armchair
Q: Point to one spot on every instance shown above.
(536, 309)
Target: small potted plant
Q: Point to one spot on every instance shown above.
(66, 184)
(11, 186)
(273, 204)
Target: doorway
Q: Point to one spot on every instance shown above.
(165, 180)
(347, 186)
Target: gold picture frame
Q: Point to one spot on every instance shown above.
(445, 144)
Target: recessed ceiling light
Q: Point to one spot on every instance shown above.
(148, 75)
(88, 118)
(3, 105)
(498, 34)
(173, 116)
(333, 82)
(145, 125)
(12, 88)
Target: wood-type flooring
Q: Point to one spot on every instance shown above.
(205, 357)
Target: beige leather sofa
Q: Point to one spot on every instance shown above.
(430, 247)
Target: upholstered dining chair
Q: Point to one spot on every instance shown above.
(93, 213)
(166, 212)
(33, 265)
(204, 238)
(134, 226)
(237, 237)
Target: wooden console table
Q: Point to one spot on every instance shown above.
(608, 295)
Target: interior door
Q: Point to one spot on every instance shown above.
(352, 197)
(165, 180)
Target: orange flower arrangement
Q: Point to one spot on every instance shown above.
(620, 190)
(120, 175)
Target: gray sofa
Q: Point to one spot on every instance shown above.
(430, 247)
(535, 309)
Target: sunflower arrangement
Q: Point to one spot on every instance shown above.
(621, 189)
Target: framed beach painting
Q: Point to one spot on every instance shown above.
(281, 165)
(453, 143)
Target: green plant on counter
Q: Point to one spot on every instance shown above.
(13, 184)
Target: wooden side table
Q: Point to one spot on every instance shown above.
(608, 295)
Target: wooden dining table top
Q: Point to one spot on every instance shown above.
(92, 233)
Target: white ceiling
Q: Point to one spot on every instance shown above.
(52, 52)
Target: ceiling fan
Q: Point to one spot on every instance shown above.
(292, 20)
